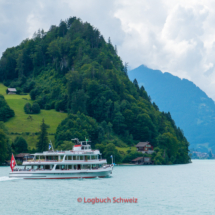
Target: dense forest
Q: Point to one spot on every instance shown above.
(71, 68)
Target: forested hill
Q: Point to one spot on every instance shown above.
(190, 107)
(71, 68)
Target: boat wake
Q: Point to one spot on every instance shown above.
(6, 178)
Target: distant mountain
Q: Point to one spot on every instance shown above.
(190, 107)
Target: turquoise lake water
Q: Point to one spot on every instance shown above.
(176, 189)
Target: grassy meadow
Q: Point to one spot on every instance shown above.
(20, 124)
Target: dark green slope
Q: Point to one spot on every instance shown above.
(72, 69)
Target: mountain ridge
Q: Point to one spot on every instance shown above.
(190, 107)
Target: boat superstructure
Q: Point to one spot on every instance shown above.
(80, 162)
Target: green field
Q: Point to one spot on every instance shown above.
(125, 149)
(20, 124)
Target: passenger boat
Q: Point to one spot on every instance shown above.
(80, 162)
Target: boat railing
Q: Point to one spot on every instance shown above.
(42, 160)
(40, 169)
(72, 161)
(20, 170)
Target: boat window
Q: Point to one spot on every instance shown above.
(28, 167)
(86, 166)
(61, 167)
(69, 166)
(52, 158)
(88, 157)
(95, 166)
(93, 157)
(41, 167)
(77, 157)
(74, 158)
(47, 167)
(81, 157)
(68, 157)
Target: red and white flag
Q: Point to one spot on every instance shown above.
(12, 162)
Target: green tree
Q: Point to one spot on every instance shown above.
(109, 129)
(35, 108)
(169, 143)
(42, 144)
(20, 145)
(27, 108)
(3, 127)
(109, 150)
(118, 123)
(3, 146)
(79, 99)
(5, 111)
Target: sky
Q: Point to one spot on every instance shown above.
(173, 36)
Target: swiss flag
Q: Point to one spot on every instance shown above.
(12, 162)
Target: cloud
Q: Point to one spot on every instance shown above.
(172, 36)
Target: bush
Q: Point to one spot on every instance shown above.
(35, 108)
(34, 93)
(27, 108)
(18, 90)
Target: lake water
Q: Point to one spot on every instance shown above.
(178, 189)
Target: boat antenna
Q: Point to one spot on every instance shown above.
(76, 140)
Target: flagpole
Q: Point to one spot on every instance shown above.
(52, 145)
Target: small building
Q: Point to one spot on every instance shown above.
(142, 161)
(11, 90)
(138, 160)
(23, 156)
(144, 147)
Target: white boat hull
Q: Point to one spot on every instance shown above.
(62, 174)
